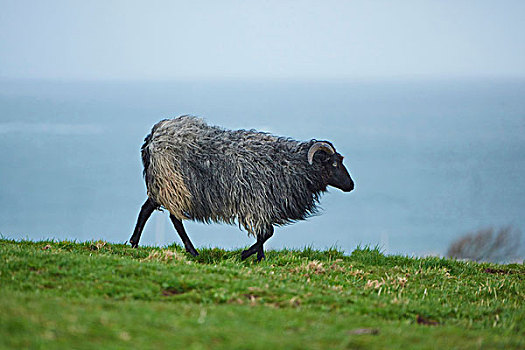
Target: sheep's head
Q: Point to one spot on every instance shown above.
(332, 162)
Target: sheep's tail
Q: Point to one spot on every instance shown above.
(146, 154)
(163, 179)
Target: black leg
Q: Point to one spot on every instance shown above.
(182, 233)
(258, 246)
(145, 212)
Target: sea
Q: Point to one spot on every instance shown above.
(432, 159)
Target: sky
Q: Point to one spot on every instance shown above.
(105, 40)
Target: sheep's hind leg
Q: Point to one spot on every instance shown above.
(258, 246)
(145, 212)
(182, 233)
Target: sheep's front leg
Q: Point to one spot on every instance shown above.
(183, 236)
(258, 246)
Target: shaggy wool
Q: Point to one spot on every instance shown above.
(245, 177)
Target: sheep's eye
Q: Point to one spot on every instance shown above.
(334, 164)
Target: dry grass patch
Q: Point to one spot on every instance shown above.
(166, 255)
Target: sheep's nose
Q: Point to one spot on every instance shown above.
(350, 187)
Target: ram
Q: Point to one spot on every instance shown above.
(253, 179)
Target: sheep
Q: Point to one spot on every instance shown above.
(254, 179)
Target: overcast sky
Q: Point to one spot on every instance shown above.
(261, 39)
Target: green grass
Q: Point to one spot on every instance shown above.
(67, 295)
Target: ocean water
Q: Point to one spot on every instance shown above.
(432, 160)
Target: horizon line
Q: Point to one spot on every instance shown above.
(271, 79)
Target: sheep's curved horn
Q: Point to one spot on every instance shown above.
(319, 146)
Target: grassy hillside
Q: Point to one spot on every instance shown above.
(84, 295)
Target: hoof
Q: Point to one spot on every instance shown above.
(245, 254)
(193, 252)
